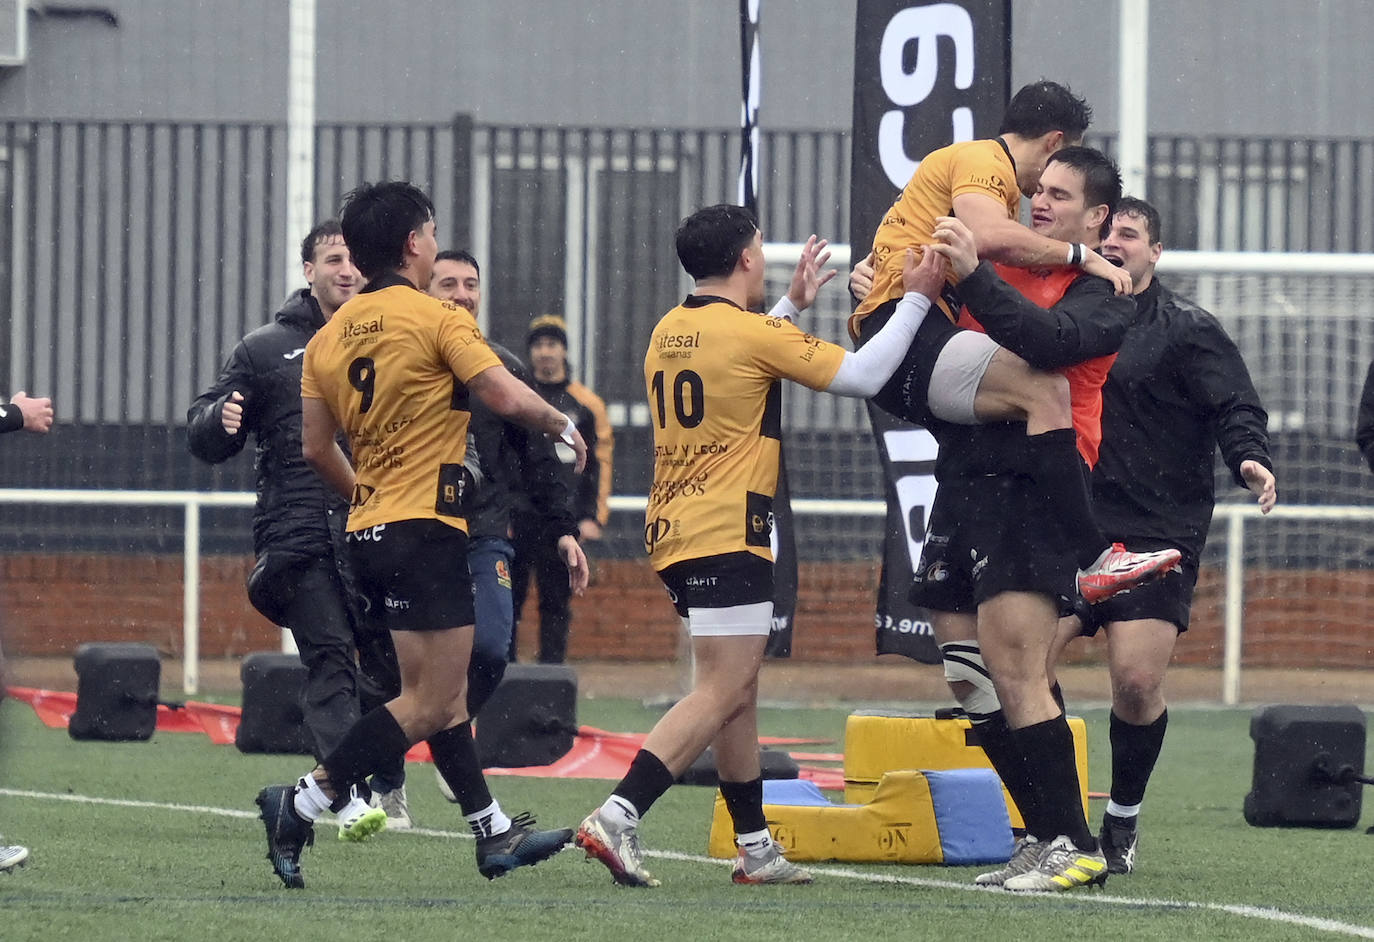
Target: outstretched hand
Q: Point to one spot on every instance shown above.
(807, 277)
(1260, 480)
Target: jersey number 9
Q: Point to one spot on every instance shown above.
(362, 376)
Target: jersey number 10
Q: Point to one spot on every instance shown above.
(689, 411)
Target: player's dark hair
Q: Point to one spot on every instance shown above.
(459, 255)
(1137, 207)
(709, 241)
(376, 220)
(1045, 106)
(321, 233)
(1101, 178)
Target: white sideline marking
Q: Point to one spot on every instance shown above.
(1262, 913)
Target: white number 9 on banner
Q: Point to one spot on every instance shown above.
(915, 492)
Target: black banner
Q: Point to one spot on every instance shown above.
(784, 535)
(926, 74)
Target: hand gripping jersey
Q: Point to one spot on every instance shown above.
(716, 409)
(967, 167)
(392, 365)
(1044, 287)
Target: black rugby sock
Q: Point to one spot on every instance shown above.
(645, 783)
(1061, 476)
(484, 676)
(1135, 750)
(371, 743)
(455, 756)
(744, 801)
(1053, 769)
(998, 743)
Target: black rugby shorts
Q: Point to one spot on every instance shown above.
(905, 394)
(722, 581)
(988, 535)
(413, 574)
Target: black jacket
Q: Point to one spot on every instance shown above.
(584, 487)
(1088, 321)
(1178, 389)
(296, 514)
(520, 470)
(1364, 422)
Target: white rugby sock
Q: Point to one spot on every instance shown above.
(1122, 811)
(488, 822)
(310, 799)
(755, 843)
(619, 812)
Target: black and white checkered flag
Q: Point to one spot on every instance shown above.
(749, 111)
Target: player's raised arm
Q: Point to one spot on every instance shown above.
(864, 371)
(1005, 240)
(807, 279)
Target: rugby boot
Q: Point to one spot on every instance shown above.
(288, 834)
(519, 846)
(1061, 866)
(13, 856)
(396, 806)
(772, 867)
(1119, 570)
(358, 820)
(617, 848)
(1024, 856)
(1118, 839)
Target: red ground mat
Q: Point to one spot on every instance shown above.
(596, 753)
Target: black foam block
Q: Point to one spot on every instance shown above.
(273, 719)
(116, 692)
(772, 764)
(1300, 752)
(531, 718)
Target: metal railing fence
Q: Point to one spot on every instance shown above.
(191, 503)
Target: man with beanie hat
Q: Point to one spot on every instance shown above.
(547, 343)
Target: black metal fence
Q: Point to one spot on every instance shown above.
(139, 253)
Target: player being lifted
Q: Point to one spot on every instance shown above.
(711, 372)
(970, 379)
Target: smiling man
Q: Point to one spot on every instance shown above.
(394, 369)
(997, 566)
(1177, 391)
(301, 579)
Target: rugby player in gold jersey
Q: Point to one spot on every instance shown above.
(711, 373)
(394, 368)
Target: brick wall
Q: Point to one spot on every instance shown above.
(50, 604)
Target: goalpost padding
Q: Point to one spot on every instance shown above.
(954, 817)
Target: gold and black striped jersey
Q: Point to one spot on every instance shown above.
(966, 167)
(393, 364)
(711, 372)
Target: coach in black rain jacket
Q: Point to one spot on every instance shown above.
(296, 516)
(1154, 474)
